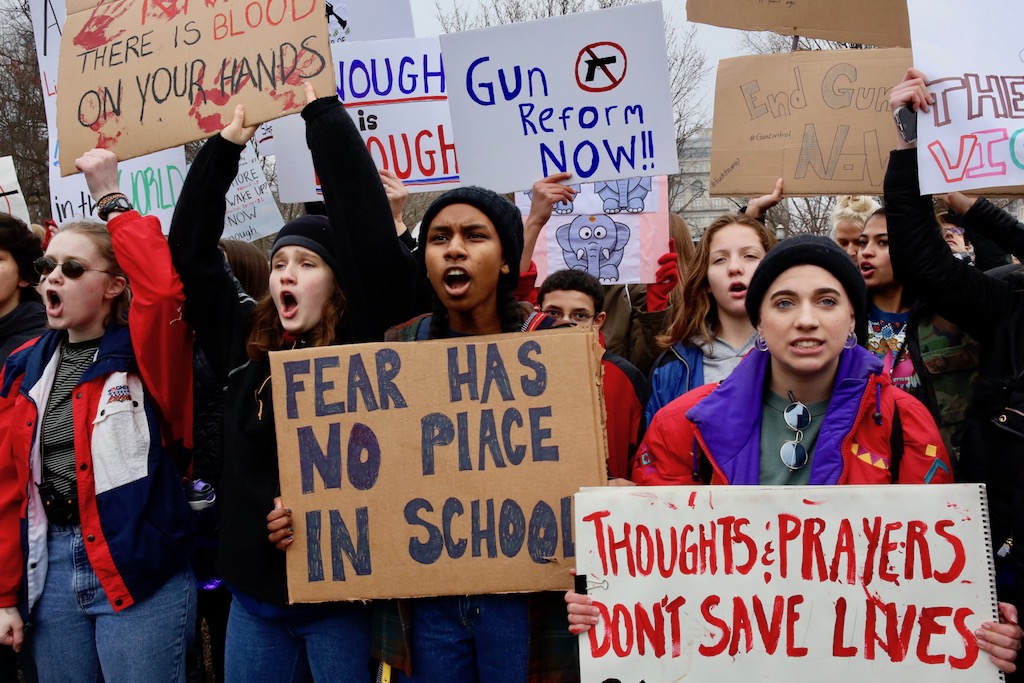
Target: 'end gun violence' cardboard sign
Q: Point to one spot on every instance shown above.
(737, 583)
(143, 75)
(818, 120)
(440, 467)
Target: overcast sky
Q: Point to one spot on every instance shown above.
(717, 43)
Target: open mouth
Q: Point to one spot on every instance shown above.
(456, 280)
(807, 344)
(866, 269)
(53, 303)
(288, 304)
(737, 290)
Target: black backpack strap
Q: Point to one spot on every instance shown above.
(895, 444)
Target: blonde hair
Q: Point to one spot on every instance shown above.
(697, 313)
(854, 208)
(100, 237)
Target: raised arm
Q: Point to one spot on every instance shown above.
(214, 305)
(958, 292)
(161, 339)
(981, 216)
(378, 272)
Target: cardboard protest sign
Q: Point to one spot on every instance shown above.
(346, 21)
(734, 583)
(818, 120)
(613, 230)
(440, 467)
(869, 22)
(139, 76)
(395, 91)
(251, 212)
(12, 200)
(151, 182)
(973, 137)
(590, 96)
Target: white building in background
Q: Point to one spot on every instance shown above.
(693, 202)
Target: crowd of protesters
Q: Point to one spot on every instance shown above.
(138, 499)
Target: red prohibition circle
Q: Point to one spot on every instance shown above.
(589, 53)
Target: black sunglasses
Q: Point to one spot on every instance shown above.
(798, 418)
(72, 269)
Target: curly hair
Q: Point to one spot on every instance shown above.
(697, 313)
(854, 208)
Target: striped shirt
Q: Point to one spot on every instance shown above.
(58, 436)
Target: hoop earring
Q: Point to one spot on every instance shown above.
(760, 344)
(851, 341)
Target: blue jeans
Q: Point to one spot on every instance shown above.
(76, 635)
(470, 638)
(334, 640)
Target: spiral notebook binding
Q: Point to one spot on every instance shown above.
(989, 556)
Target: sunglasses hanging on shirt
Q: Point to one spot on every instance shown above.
(798, 418)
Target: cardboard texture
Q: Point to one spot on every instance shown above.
(143, 75)
(152, 182)
(883, 23)
(819, 120)
(440, 467)
(740, 583)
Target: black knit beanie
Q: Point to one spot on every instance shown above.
(309, 232)
(506, 218)
(803, 250)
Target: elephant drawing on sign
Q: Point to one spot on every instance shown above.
(625, 194)
(560, 207)
(594, 244)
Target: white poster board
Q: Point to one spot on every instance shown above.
(365, 20)
(742, 583)
(12, 199)
(395, 92)
(152, 182)
(251, 212)
(586, 93)
(614, 230)
(973, 137)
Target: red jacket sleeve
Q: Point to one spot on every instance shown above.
(13, 487)
(161, 338)
(666, 456)
(925, 460)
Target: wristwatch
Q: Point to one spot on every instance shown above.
(111, 203)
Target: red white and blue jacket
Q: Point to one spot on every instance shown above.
(129, 407)
(720, 426)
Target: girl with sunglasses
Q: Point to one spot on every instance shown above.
(802, 409)
(334, 279)
(94, 526)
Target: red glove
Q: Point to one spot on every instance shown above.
(666, 278)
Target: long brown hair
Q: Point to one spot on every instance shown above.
(697, 314)
(249, 265)
(98, 234)
(266, 333)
